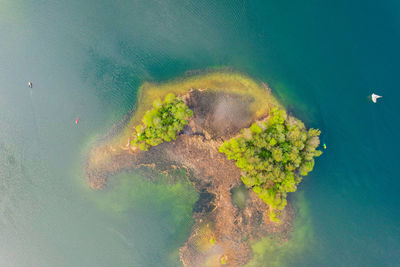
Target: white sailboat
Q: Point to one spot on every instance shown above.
(374, 97)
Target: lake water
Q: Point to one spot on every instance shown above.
(86, 59)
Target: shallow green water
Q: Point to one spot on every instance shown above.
(87, 58)
(272, 251)
(156, 213)
(240, 194)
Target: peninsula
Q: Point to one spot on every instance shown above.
(225, 130)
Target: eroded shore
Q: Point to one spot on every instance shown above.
(222, 103)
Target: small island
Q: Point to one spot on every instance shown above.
(227, 132)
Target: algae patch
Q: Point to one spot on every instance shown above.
(271, 251)
(157, 211)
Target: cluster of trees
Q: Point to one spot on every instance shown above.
(162, 123)
(273, 157)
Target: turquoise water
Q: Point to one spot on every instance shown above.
(87, 58)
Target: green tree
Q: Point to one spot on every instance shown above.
(161, 123)
(273, 156)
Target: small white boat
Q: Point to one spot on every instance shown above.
(30, 84)
(374, 97)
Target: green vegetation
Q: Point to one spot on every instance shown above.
(162, 122)
(223, 259)
(273, 156)
(212, 241)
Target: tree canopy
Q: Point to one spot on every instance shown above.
(273, 157)
(161, 123)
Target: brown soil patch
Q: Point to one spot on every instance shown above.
(220, 114)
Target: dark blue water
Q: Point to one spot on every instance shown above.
(87, 59)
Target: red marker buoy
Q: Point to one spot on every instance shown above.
(76, 120)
